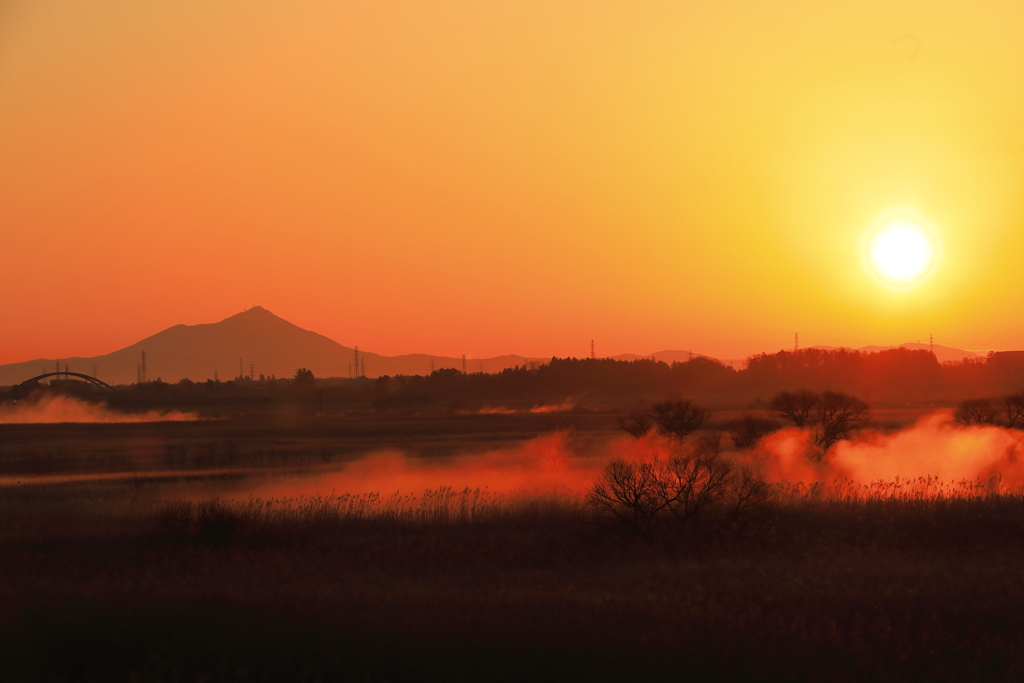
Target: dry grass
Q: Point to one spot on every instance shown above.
(138, 579)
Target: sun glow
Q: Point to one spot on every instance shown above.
(901, 251)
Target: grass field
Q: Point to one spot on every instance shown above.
(187, 577)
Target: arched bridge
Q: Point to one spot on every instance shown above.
(88, 378)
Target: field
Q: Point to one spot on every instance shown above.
(229, 550)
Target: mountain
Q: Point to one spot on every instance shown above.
(266, 344)
(942, 353)
(256, 338)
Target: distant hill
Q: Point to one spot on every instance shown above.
(256, 337)
(270, 345)
(942, 353)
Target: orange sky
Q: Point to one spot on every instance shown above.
(508, 177)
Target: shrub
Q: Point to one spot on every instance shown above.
(836, 415)
(976, 411)
(796, 406)
(637, 423)
(678, 419)
(1013, 410)
(695, 479)
(749, 429)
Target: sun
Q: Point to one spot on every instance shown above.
(901, 251)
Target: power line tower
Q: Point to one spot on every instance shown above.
(215, 378)
(463, 364)
(252, 369)
(796, 342)
(593, 356)
(355, 363)
(931, 344)
(142, 369)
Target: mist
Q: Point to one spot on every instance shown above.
(55, 409)
(934, 446)
(550, 464)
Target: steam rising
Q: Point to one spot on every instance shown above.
(933, 447)
(51, 409)
(546, 464)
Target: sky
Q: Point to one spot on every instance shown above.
(509, 177)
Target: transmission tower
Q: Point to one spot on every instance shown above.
(362, 371)
(356, 362)
(592, 354)
(796, 342)
(215, 378)
(142, 368)
(252, 370)
(931, 344)
(463, 364)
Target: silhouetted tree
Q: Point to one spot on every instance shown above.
(838, 415)
(678, 418)
(695, 479)
(304, 377)
(748, 430)
(796, 406)
(637, 423)
(977, 411)
(1013, 410)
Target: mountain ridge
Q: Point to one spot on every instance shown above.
(264, 343)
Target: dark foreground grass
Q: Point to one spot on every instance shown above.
(462, 586)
